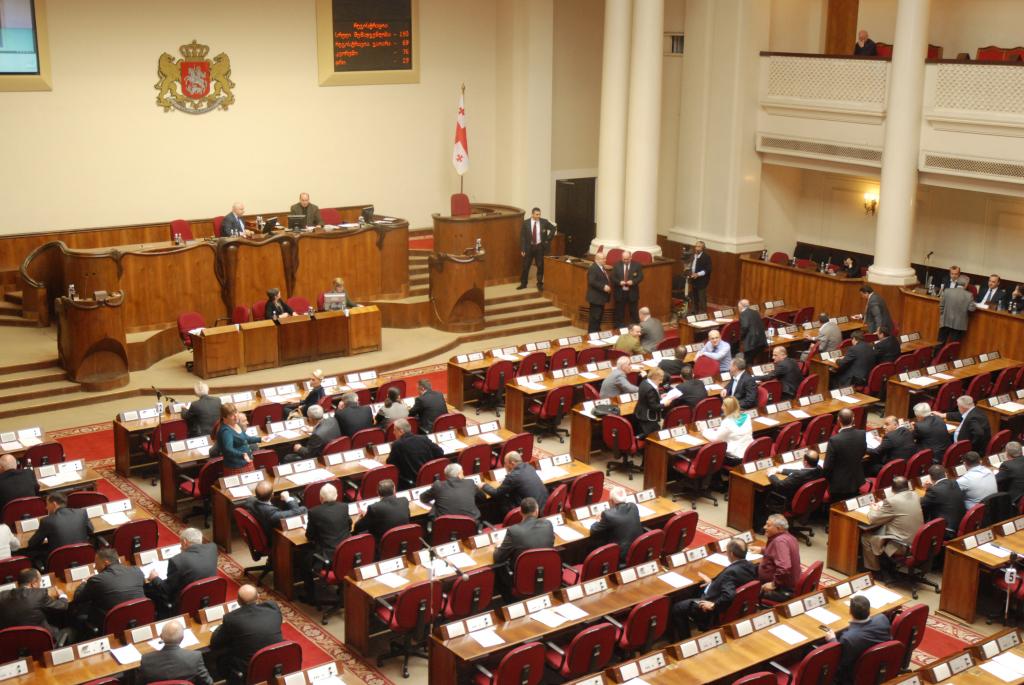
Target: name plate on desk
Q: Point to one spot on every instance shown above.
(629, 575)
(988, 356)
(1011, 527)
(995, 646)
(216, 613)
(520, 609)
(721, 545)
(848, 587)
(972, 541)
(910, 337)
(753, 624)
(831, 356)
(801, 606)
(93, 647)
(294, 522)
(14, 669)
(961, 363)
(774, 304)
(860, 501)
(638, 667)
(752, 466)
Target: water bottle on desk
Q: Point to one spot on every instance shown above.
(764, 255)
(72, 295)
(266, 426)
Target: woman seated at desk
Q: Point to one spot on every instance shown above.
(232, 442)
(336, 298)
(315, 395)
(736, 431)
(394, 408)
(275, 305)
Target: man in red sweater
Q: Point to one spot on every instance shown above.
(779, 570)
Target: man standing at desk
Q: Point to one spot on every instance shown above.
(626, 277)
(876, 312)
(534, 237)
(233, 225)
(955, 305)
(599, 288)
(700, 276)
(308, 210)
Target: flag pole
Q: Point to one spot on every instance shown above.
(462, 178)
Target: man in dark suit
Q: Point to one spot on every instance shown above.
(1010, 477)
(673, 366)
(599, 288)
(329, 524)
(700, 276)
(691, 390)
(994, 296)
(742, 385)
(786, 484)
(113, 583)
(943, 499)
(61, 526)
(352, 417)
(531, 533)
(267, 513)
(196, 561)
(930, 432)
(752, 333)
(325, 431)
(202, 413)
(453, 495)
(718, 593)
(233, 225)
(15, 482)
(380, 517)
(410, 451)
(521, 481)
(29, 604)
(863, 632)
(245, 631)
(887, 348)
(854, 366)
(308, 210)
(896, 443)
(876, 312)
(844, 458)
(626, 277)
(535, 235)
(619, 523)
(646, 418)
(172, 662)
(864, 45)
(786, 370)
(973, 424)
(428, 406)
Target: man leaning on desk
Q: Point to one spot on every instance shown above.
(308, 210)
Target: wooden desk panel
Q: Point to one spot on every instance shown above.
(91, 342)
(364, 325)
(259, 345)
(986, 329)
(331, 334)
(351, 254)
(496, 226)
(217, 352)
(760, 281)
(457, 291)
(161, 284)
(565, 284)
(296, 341)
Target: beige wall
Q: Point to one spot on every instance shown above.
(797, 25)
(956, 25)
(576, 115)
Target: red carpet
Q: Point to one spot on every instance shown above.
(421, 243)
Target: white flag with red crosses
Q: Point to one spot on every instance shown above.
(460, 153)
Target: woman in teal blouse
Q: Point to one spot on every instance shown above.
(235, 446)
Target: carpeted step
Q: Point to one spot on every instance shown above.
(14, 297)
(38, 390)
(514, 306)
(17, 320)
(30, 377)
(531, 314)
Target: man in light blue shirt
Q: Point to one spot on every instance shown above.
(717, 349)
(978, 483)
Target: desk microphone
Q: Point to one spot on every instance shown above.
(432, 555)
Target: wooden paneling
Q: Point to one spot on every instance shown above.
(841, 26)
(91, 342)
(566, 286)
(761, 281)
(253, 268)
(394, 263)
(986, 330)
(357, 259)
(404, 314)
(497, 227)
(457, 291)
(725, 287)
(163, 284)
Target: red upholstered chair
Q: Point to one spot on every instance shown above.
(760, 448)
(273, 661)
(589, 355)
(703, 367)
(452, 527)
(550, 412)
(807, 386)
(807, 500)
(934, 51)
(382, 391)
(80, 499)
(904, 363)
(240, 314)
(678, 416)
(256, 538)
(272, 412)
(884, 50)
(917, 560)
(22, 508)
(409, 616)
(311, 493)
(470, 594)
(646, 547)
(450, 421)
(587, 651)
(199, 488)
(680, 529)
(803, 315)
(923, 356)
(352, 552)
(698, 471)
(135, 536)
(586, 489)
(972, 520)
(338, 445)
(534, 362)
(368, 436)
(908, 629)
(460, 205)
(562, 358)
(11, 567)
(523, 665)
(591, 392)
(891, 469)
(199, 594)
(878, 377)
(42, 454)
(19, 642)
(980, 387)
(367, 488)
(476, 459)
(731, 334)
(818, 430)
(401, 540)
(991, 53)
(617, 434)
(537, 571)
(259, 310)
(788, 439)
(492, 385)
(997, 443)
(520, 442)
(298, 303)
(878, 663)
(555, 503)
(188, 321)
(1004, 381)
(762, 678)
(918, 463)
(265, 459)
(946, 353)
(954, 454)
(669, 342)
(182, 228)
(330, 216)
(642, 627)
(431, 471)
(804, 264)
(745, 602)
(67, 556)
(820, 665)
(598, 562)
(513, 517)
(708, 408)
(643, 257)
(217, 221)
(129, 614)
(779, 258)
(614, 256)
(773, 393)
(808, 582)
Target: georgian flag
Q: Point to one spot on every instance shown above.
(460, 153)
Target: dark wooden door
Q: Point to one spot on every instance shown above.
(574, 213)
(841, 27)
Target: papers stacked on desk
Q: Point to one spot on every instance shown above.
(60, 478)
(551, 473)
(127, 654)
(644, 511)
(28, 438)
(943, 376)
(1007, 666)
(160, 566)
(688, 439)
(118, 518)
(589, 376)
(239, 491)
(721, 559)
(675, 580)
(487, 637)
(995, 550)
(765, 421)
(307, 477)
(799, 414)
(531, 386)
(452, 446)
(491, 438)
(1010, 407)
(849, 399)
(393, 580)
(568, 534)
(507, 357)
(549, 617)
(290, 434)
(923, 381)
(369, 464)
(709, 323)
(878, 596)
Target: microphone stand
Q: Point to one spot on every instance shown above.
(430, 578)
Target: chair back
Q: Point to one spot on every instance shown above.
(298, 303)
(779, 258)
(997, 443)
(460, 205)
(555, 503)
(19, 642)
(401, 540)
(707, 408)
(330, 216)
(772, 391)
(199, 594)
(586, 489)
(745, 602)
(946, 353)
(475, 459)
(599, 562)
(704, 367)
(803, 315)
(878, 377)
(758, 449)
(998, 507)
(217, 221)
(805, 364)
(520, 442)
(523, 665)
(809, 579)
(135, 536)
(645, 624)
(470, 593)
(189, 321)
(589, 650)
(416, 606)
(680, 529)
(534, 362)
(273, 411)
(129, 614)
(557, 403)
(368, 436)
(904, 363)
(617, 434)
(614, 256)
(338, 445)
(923, 357)
(80, 499)
(265, 459)
(891, 469)
(590, 355)
(164, 433)
(590, 393)
(678, 416)
(352, 552)
(908, 629)
(845, 343)
(919, 463)
(21, 508)
(807, 386)
(731, 335)
(669, 342)
(809, 497)
(447, 422)
(643, 257)
(182, 228)
(980, 387)
(761, 678)
(240, 314)
(452, 527)
(67, 556)
(788, 439)
(513, 517)
(971, 520)
(384, 388)
(208, 475)
(252, 532)
(259, 310)
(391, 431)
(709, 460)
(537, 571)
(1004, 382)
(498, 374)
(373, 477)
(954, 454)
(878, 663)
(818, 430)
(42, 454)
(646, 547)
(11, 567)
(311, 493)
(273, 661)
(821, 665)
(926, 543)
(431, 471)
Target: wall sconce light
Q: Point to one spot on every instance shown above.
(870, 203)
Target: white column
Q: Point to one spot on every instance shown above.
(611, 160)
(643, 138)
(897, 198)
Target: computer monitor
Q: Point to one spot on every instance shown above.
(367, 214)
(270, 225)
(296, 222)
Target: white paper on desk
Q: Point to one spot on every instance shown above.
(598, 343)
(52, 481)
(239, 491)
(508, 357)
(872, 440)
(461, 560)
(1011, 661)
(878, 596)
(849, 399)
(644, 511)
(943, 376)
(450, 446)
(589, 376)
(787, 634)
(10, 446)
(675, 580)
(799, 414)
(392, 580)
(491, 438)
(719, 559)
(923, 381)
(570, 612)
(290, 434)
(127, 654)
(551, 473)
(713, 386)
(635, 681)
(487, 637)
(787, 336)
(549, 618)
(765, 421)
(710, 323)
(160, 566)
(369, 463)
(995, 551)
(824, 615)
(1011, 406)
(568, 534)
(116, 519)
(307, 477)
(688, 439)
(27, 439)
(357, 385)
(532, 386)
(1007, 675)
(588, 523)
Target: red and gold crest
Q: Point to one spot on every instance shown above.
(204, 84)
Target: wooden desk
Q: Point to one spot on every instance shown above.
(496, 227)
(764, 280)
(565, 283)
(260, 345)
(217, 351)
(844, 531)
(998, 414)
(296, 342)
(91, 343)
(985, 327)
(518, 397)
(99, 527)
(960, 598)
(330, 333)
(825, 367)
(363, 333)
(897, 399)
(457, 291)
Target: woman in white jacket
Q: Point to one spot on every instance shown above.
(736, 431)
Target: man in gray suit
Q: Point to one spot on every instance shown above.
(202, 413)
(326, 430)
(651, 330)
(899, 517)
(616, 383)
(233, 224)
(172, 662)
(954, 306)
(829, 335)
(876, 312)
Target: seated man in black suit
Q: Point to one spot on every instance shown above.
(61, 526)
(202, 413)
(325, 431)
(352, 417)
(673, 366)
(269, 514)
(864, 631)
(172, 662)
(329, 524)
(428, 406)
(245, 631)
(1010, 477)
(454, 495)
(854, 367)
(844, 459)
(718, 593)
(887, 348)
(113, 583)
(973, 424)
(196, 561)
(691, 390)
(897, 443)
(411, 451)
(943, 499)
(784, 484)
(15, 482)
(29, 604)
(994, 296)
(786, 371)
(619, 523)
(521, 481)
(531, 533)
(390, 512)
(742, 385)
(930, 432)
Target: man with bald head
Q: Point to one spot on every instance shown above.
(752, 333)
(599, 289)
(269, 514)
(626, 277)
(233, 224)
(172, 662)
(15, 482)
(865, 47)
(245, 631)
(308, 210)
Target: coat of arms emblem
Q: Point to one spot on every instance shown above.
(204, 84)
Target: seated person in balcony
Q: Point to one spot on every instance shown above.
(275, 305)
(233, 224)
(232, 442)
(315, 394)
(717, 349)
(341, 299)
(850, 268)
(308, 210)
(630, 342)
(617, 382)
(865, 47)
(394, 408)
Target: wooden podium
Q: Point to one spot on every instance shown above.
(259, 345)
(91, 341)
(496, 226)
(217, 351)
(363, 334)
(457, 291)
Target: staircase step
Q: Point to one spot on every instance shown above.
(516, 306)
(29, 366)
(76, 398)
(515, 317)
(40, 390)
(8, 320)
(14, 297)
(418, 269)
(415, 253)
(518, 296)
(10, 308)
(416, 292)
(494, 330)
(30, 377)
(421, 232)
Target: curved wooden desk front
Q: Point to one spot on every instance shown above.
(987, 329)
(457, 291)
(762, 280)
(496, 226)
(91, 342)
